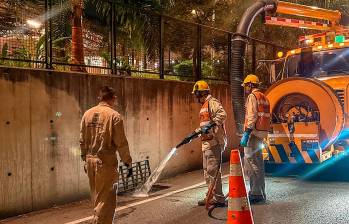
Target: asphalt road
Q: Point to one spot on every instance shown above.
(290, 201)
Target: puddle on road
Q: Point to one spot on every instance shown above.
(143, 190)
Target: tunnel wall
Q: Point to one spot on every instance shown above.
(39, 130)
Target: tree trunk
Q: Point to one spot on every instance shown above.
(77, 39)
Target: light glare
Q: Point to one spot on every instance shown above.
(33, 23)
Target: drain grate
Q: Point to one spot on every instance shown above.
(141, 172)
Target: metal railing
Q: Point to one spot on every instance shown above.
(157, 47)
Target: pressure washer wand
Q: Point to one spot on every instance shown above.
(195, 134)
(189, 138)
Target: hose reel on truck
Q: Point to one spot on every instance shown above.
(307, 118)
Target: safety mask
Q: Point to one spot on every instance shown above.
(200, 98)
(247, 89)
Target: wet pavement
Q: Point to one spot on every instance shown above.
(290, 201)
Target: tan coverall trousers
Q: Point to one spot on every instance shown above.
(254, 166)
(212, 157)
(102, 174)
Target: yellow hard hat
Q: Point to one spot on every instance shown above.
(201, 86)
(251, 79)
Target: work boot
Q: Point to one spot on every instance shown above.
(256, 199)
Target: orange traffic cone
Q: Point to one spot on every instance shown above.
(239, 211)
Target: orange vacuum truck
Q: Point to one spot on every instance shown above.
(309, 103)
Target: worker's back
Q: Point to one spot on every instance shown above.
(97, 127)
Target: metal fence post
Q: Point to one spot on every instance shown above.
(50, 37)
(161, 48)
(189, 48)
(198, 54)
(112, 39)
(229, 56)
(46, 35)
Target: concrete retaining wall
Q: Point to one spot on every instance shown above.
(39, 129)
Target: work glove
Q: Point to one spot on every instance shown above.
(130, 171)
(205, 129)
(245, 137)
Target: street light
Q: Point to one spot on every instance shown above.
(34, 24)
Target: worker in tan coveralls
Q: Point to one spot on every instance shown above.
(257, 125)
(101, 135)
(212, 118)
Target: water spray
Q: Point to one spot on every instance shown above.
(143, 190)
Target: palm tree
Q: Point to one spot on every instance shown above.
(77, 36)
(129, 16)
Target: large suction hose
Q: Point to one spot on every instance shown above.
(240, 40)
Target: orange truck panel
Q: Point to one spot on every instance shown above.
(333, 16)
(282, 151)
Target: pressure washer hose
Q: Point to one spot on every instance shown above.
(210, 193)
(212, 207)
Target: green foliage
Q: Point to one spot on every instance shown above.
(60, 20)
(21, 53)
(209, 12)
(133, 21)
(185, 68)
(59, 47)
(137, 29)
(207, 69)
(40, 48)
(144, 75)
(123, 65)
(4, 51)
(106, 56)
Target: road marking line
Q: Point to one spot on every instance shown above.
(146, 201)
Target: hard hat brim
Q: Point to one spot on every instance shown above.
(200, 90)
(244, 84)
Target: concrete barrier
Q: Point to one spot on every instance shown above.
(39, 130)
